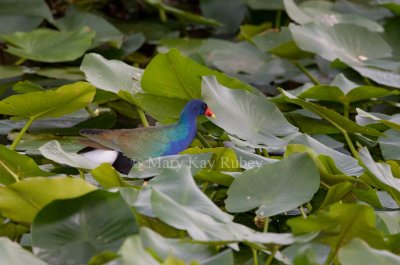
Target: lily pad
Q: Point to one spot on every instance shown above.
(51, 103)
(83, 228)
(21, 201)
(274, 188)
(21, 15)
(358, 252)
(323, 12)
(246, 115)
(340, 122)
(105, 31)
(53, 151)
(14, 167)
(46, 45)
(390, 145)
(111, 75)
(333, 42)
(13, 253)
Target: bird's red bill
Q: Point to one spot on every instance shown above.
(209, 113)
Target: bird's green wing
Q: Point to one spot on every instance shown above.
(137, 144)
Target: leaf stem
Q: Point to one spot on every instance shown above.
(21, 133)
(20, 61)
(330, 257)
(255, 256)
(266, 224)
(142, 117)
(350, 145)
(306, 72)
(163, 15)
(81, 173)
(272, 255)
(203, 140)
(346, 107)
(303, 213)
(278, 19)
(90, 111)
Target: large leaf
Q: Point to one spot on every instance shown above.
(344, 91)
(274, 188)
(340, 122)
(7, 71)
(246, 115)
(231, 18)
(172, 79)
(353, 45)
(323, 12)
(14, 166)
(357, 252)
(390, 145)
(22, 15)
(173, 75)
(365, 118)
(105, 32)
(133, 252)
(108, 177)
(380, 76)
(83, 228)
(51, 103)
(189, 209)
(340, 224)
(111, 75)
(186, 251)
(380, 174)
(22, 200)
(347, 164)
(53, 151)
(365, 51)
(13, 254)
(45, 45)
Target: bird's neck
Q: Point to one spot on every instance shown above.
(188, 122)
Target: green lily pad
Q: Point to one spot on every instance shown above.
(340, 224)
(358, 252)
(380, 174)
(21, 15)
(83, 228)
(390, 145)
(332, 42)
(186, 251)
(14, 166)
(345, 163)
(323, 12)
(365, 118)
(21, 201)
(46, 45)
(340, 122)
(7, 71)
(108, 177)
(51, 103)
(105, 32)
(52, 150)
(246, 115)
(111, 75)
(345, 91)
(13, 253)
(291, 182)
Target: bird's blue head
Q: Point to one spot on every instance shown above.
(197, 107)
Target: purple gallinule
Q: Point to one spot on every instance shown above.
(143, 143)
